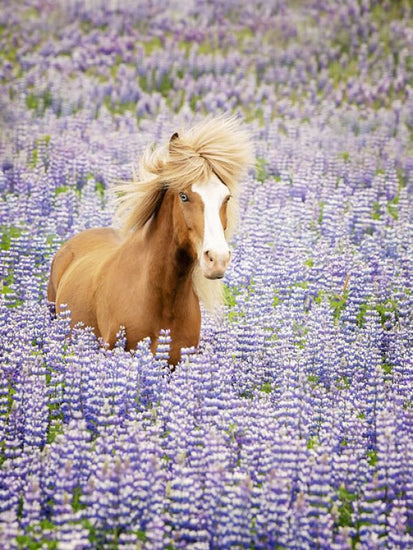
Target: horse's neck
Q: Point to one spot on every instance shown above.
(170, 268)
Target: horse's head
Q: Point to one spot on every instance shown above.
(203, 208)
(198, 171)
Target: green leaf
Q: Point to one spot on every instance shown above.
(345, 509)
(372, 457)
(9, 233)
(266, 387)
(309, 262)
(261, 167)
(230, 293)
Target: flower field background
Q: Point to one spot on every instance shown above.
(292, 425)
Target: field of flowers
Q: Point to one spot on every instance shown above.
(292, 426)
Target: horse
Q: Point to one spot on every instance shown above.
(170, 249)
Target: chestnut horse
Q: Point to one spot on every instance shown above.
(171, 249)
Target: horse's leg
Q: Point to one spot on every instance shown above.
(108, 323)
(109, 336)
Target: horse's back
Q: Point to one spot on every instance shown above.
(91, 243)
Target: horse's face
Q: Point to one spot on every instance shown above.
(204, 210)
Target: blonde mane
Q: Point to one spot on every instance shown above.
(216, 145)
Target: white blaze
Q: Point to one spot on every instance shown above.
(215, 252)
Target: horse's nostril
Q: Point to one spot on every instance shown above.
(209, 255)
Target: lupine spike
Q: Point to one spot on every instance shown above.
(291, 424)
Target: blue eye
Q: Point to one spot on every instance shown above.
(184, 197)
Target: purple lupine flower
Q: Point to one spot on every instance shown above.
(72, 535)
(35, 404)
(273, 505)
(68, 467)
(233, 524)
(397, 526)
(319, 501)
(9, 530)
(31, 514)
(311, 357)
(372, 514)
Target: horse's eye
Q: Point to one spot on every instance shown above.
(184, 197)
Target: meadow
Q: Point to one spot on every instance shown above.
(291, 426)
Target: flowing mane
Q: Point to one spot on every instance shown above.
(215, 145)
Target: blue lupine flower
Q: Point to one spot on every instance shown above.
(291, 425)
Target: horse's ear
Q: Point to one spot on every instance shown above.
(174, 137)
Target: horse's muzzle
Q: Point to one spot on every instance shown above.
(214, 264)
